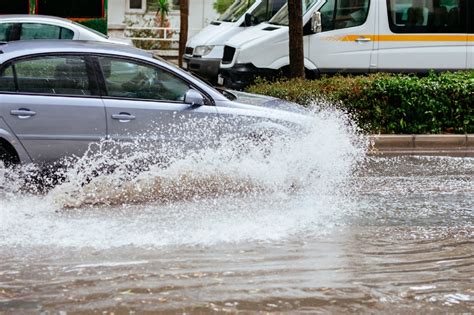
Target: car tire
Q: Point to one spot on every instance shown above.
(8, 155)
(5, 157)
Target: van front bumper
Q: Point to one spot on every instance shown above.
(206, 68)
(244, 74)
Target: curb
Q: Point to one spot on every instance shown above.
(452, 145)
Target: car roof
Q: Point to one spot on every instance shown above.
(33, 17)
(21, 48)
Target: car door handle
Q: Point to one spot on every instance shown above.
(22, 113)
(123, 117)
(363, 39)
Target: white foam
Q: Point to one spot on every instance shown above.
(206, 197)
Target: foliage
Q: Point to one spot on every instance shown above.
(162, 11)
(222, 5)
(152, 5)
(390, 103)
(99, 25)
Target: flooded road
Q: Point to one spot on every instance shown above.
(315, 227)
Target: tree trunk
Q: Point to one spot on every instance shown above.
(183, 28)
(295, 15)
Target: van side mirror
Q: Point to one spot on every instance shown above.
(193, 98)
(248, 19)
(316, 22)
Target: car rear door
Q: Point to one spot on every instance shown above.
(145, 102)
(52, 105)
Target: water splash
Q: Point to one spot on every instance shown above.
(236, 191)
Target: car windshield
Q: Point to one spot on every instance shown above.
(281, 18)
(92, 30)
(236, 10)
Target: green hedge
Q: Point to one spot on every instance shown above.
(390, 103)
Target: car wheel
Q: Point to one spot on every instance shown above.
(6, 158)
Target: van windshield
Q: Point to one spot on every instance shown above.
(281, 18)
(266, 10)
(236, 10)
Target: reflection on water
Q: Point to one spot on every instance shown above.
(311, 225)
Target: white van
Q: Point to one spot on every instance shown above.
(358, 36)
(204, 51)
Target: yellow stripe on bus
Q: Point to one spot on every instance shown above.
(407, 38)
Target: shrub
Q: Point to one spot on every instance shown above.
(390, 103)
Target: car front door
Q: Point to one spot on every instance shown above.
(52, 105)
(346, 42)
(146, 103)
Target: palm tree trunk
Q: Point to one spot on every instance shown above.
(183, 28)
(295, 16)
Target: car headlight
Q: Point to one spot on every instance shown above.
(202, 50)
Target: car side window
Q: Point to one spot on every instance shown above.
(7, 80)
(427, 16)
(128, 79)
(6, 32)
(66, 33)
(65, 75)
(44, 31)
(343, 14)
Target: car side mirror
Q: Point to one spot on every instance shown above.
(193, 98)
(316, 26)
(248, 19)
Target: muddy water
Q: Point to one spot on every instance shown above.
(312, 227)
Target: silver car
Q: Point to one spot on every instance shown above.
(58, 97)
(27, 27)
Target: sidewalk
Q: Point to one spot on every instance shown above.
(452, 145)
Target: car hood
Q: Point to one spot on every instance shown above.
(268, 102)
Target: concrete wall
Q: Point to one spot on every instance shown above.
(201, 14)
(116, 13)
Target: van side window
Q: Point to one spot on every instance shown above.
(65, 75)
(427, 16)
(265, 10)
(338, 14)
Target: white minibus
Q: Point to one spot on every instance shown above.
(204, 51)
(358, 36)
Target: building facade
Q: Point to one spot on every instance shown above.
(92, 13)
(201, 13)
